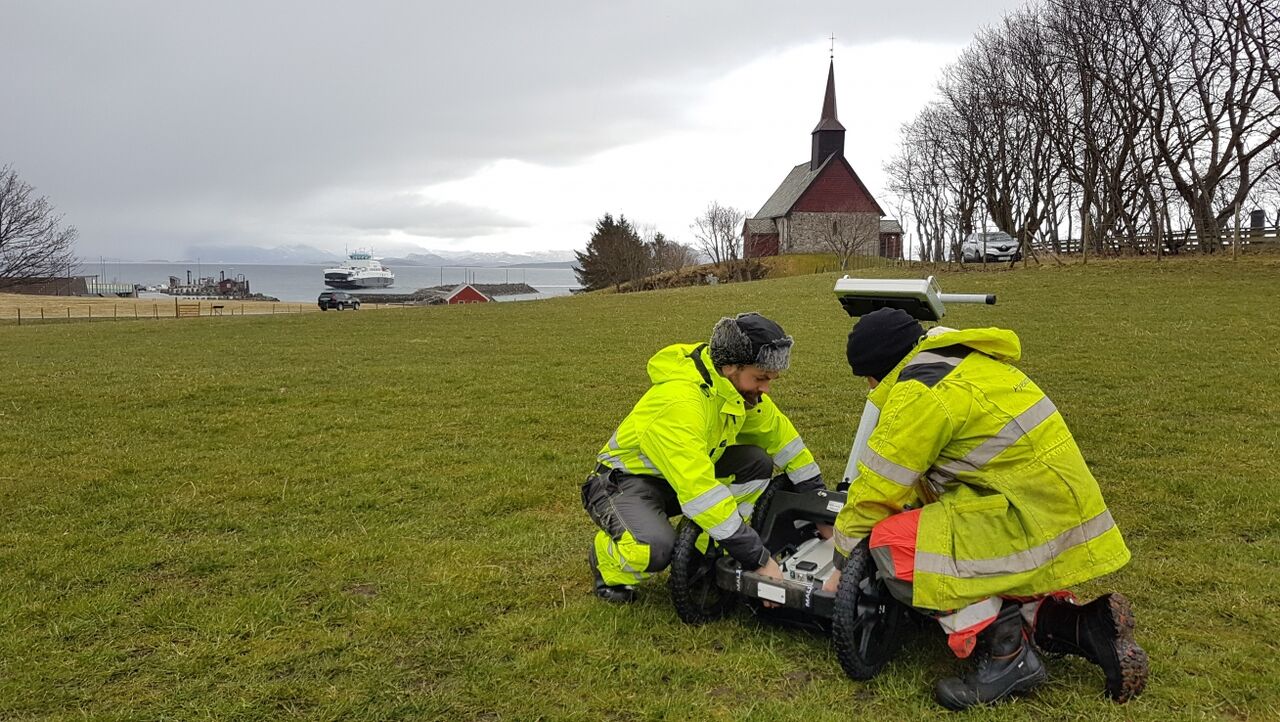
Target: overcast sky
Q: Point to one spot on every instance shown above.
(161, 126)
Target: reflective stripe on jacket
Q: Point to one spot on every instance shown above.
(1010, 505)
(681, 427)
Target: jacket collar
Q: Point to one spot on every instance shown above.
(998, 343)
(733, 404)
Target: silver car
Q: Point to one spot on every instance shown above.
(996, 246)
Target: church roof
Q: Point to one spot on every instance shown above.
(761, 226)
(795, 184)
(829, 120)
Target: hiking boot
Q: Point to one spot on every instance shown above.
(613, 593)
(1006, 665)
(1101, 632)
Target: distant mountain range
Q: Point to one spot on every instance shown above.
(537, 259)
(311, 256)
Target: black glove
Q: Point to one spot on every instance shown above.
(812, 484)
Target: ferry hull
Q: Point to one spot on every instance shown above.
(346, 283)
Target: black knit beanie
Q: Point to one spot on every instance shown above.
(881, 339)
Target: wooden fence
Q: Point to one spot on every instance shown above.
(35, 309)
(1176, 243)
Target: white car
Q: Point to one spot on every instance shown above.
(998, 246)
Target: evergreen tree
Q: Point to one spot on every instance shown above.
(614, 255)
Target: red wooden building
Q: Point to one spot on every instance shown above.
(466, 293)
(890, 238)
(818, 199)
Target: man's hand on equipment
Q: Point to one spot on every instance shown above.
(773, 571)
(825, 531)
(833, 582)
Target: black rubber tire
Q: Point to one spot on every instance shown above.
(692, 581)
(761, 509)
(868, 623)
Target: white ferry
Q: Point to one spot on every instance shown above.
(360, 270)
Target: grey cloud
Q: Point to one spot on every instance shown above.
(409, 213)
(143, 119)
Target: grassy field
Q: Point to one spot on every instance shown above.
(375, 515)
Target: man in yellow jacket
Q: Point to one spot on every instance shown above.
(978, 508)
(703, 441)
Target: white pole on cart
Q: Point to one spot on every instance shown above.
(870, 417)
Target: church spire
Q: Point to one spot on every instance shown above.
(828, 136)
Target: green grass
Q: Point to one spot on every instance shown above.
(375, 515)
(799, 264)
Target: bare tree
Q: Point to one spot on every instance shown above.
(671, 255)
(936, 173)
(667, 254)
(844, 241)
(33, 242)
(994, 91)
(1266, 192)
(718, 233)
(1217, 99)
(901, 212)
(1089, 88)
(1133, 116)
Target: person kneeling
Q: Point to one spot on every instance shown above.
(703, 441)
(980, 510)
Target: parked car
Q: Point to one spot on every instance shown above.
(998, 246)
(338, 300)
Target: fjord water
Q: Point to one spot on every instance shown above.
(304, 282)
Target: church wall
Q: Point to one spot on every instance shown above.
(808, 231)
(759, 245)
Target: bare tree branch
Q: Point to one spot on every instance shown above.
(718, 233)
(33, 242)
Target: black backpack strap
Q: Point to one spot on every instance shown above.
(696, 355)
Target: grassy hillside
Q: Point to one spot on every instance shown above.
(375, 515)
(774, 267)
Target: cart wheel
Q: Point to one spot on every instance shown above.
(761, 509)
(867, 623)
(694, 593)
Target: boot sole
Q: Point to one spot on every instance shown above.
(1134, 667)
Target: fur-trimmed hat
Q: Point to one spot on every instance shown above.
(750, 339)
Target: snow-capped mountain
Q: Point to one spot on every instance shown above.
(310, 255)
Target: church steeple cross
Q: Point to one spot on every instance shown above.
(833, 46)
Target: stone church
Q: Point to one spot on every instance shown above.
(821, 197)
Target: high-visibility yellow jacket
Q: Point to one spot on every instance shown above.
(1010, 507)
(679, 430)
